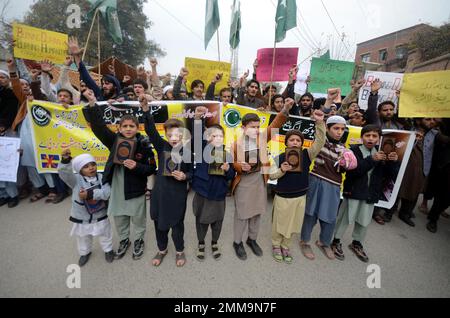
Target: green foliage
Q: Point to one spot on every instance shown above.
(433, 42)
(51, 15)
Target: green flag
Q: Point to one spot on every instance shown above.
(286, 18)
(108, 11)
(212, 20)
(235, 25)
(326, 55)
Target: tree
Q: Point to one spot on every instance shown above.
(433, 42)
(51, 15)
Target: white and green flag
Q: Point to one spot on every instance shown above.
(286, 18)
(235, 28)
(212, 20)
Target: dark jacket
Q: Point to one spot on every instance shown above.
(135, 180)
(9, 105)
(356, 184)
(91, 84)
(209, 186)
(372, 116)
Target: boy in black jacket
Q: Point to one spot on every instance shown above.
(128, 180)
(362, 189)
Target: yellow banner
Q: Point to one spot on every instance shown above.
(206, 70)
(39, 44)
(425, 94)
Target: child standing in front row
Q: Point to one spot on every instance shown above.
(128, 180)
(323, 197)
(291, 188)
(210, 186)
(249, 184)
(169, 195)
(363, 187)
(89, 204)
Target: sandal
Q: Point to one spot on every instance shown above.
(379, 219)
(287, 257)
(326, 250)
(307, 251)
(180, 259)
(276, 253)
(51, 197)
(201, 252)
(216, 251)
(158, 258)
(37, 197)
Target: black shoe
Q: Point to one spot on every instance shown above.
(432, 226)
(406, 219)
(359, 252)
(254, 247)
(13, 202)
(84, 259)
(338, 252)
(109, 256)
(413, 215)
(138, 249)
(240, 251)
(123, 247)
(3, 201)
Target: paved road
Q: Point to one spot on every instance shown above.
(36, 249)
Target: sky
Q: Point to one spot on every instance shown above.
(178, 26)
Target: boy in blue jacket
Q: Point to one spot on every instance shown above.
(210, 183)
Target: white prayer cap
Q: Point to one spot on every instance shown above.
(336, 120)
(5, 73)
(82, 160)
(166, 89)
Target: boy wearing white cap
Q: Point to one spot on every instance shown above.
(89, 204)
(323, 197)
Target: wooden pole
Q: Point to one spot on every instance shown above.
(271, 75)
(89, 34)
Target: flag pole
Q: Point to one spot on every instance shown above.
(89, 35)
(271, 75)
(98, 45)
(218, 43)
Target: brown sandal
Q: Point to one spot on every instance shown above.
(37, 197)
(180, 259)
(326, 250)
(51, 197)
(159, 258)
(307, 251)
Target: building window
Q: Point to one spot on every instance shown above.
(365, 57)
(401, 51)
(382, 55)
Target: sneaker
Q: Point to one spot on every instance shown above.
(432, 227)
(109, 256)
(337, 250)
(359, 252)
(254, 247)
(13, 202)
(84, 259)
(240, 251)
(123, 247)
(138, 249)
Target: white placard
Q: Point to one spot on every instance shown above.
(9, 158)
(390, 83)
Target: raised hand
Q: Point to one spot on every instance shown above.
(288, 104)
(333, 94)
(357, 85)
(90, 96)
(35, 74)
(47, 66)
(11, 65)
(255, 64)
(144, 102)
(375, 85)
(153, 62)
(184, 72)
(217, 78)
(74, 48)
(318, 115)
(141, 72)
(68, 61)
